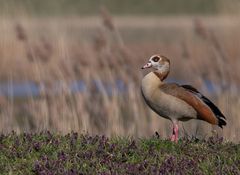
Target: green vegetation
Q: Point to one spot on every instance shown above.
(47, 153)
(86, 7)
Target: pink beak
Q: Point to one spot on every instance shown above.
(147, 65)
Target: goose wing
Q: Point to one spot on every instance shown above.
(205, 109)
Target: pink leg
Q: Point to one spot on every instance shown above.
(174, 137)
(176, 133)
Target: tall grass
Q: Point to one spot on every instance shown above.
(85, 7)
(48, 51)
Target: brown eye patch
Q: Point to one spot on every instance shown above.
(155, 59)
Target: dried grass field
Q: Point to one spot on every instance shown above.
(105, 53)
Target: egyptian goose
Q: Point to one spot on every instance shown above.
(176, 102)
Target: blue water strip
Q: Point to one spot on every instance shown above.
(32, 89)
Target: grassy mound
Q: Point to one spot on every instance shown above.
(47, 153)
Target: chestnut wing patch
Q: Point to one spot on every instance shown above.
(211, 105)
(192, 97)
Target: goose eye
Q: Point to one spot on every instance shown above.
(156, 59)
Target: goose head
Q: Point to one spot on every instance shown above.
(158, 62)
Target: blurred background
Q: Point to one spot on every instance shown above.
(74, 65)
